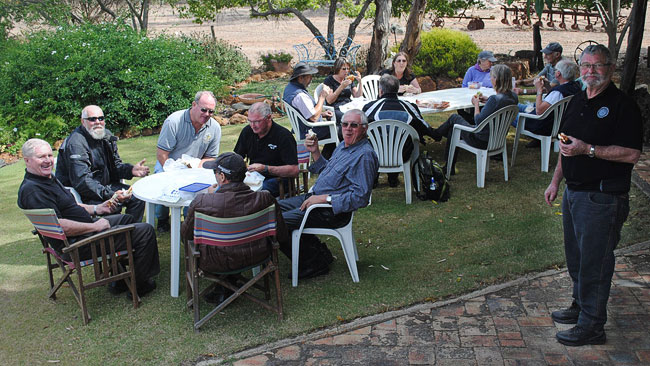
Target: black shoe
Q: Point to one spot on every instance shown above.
(568, 315)
(393, 181)
(497, 157)
(218, 295)
(435, 135)
(117, 287)
(143, 288)
(578, 336)
(320, 269)
(532, 144)
(163, 226)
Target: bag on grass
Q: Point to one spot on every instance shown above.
(433, 183)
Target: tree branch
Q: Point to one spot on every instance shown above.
(106, 9)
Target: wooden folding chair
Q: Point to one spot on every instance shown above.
(105, 260)
(209, 230)
(299, 184)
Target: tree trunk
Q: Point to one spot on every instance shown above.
(379, 43)
(538, 59)
(331, 17)
(633, 51)
(411, 44)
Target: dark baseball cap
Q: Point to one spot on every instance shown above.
(302, 68)
(552, 47)
(487, 55)
(229, 163)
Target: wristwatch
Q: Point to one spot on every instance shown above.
(328, 199)
(592, 151)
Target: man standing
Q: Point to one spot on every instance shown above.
(88, 162)
(552, 54)
(296, 94)
(388, 106)
(344, 181)
(192, 132)
(604, 132)
(230, 197)
(269, 147)
(40, 189)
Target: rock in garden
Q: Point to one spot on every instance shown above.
(237, 119)
(426, 84)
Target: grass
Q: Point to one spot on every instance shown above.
(408, 254)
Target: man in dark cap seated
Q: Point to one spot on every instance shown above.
(296, 94)
(552, 55)
(230, 197)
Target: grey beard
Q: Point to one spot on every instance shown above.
(97, 134)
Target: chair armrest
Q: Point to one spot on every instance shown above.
(309, 209)
(529, 115)
(98, 236)
(467, 128)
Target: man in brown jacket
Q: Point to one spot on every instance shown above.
(230, 197)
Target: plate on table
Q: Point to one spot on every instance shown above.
(432, 104)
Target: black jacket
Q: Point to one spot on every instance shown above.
(92, 167)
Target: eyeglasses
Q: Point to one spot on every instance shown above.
(93, 119)
(208, 111)
(400, 60)
(258, 121)
(345, 68)
(350, 124)
(587, 66)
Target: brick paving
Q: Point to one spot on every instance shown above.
(503, 325)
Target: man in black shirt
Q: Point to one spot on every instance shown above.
(603, 142)
(40, 189)
(269, 147)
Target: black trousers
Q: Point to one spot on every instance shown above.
(447, 128)
(143, 243)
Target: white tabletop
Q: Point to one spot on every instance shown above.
(150, 188)
(458, 98)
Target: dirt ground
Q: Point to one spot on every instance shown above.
(258, 36)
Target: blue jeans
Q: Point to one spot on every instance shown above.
(522, 109)
(592, 229)
(273, 185)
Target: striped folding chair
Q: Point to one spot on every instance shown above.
(209, 230)
(299, 184)
(104, 259)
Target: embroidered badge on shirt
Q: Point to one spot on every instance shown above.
(273, 147)
(207, 137)
(602, 112)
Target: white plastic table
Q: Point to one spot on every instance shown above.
(151, 187)
(458, 98)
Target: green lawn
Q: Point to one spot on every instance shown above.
(408, 254)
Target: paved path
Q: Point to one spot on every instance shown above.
(506, 324)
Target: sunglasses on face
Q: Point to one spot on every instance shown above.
(400, 60)
(206, 110)
(93, 119)
(350, 124)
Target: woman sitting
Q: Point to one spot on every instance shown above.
(481, 71)
(501, 78)
(401, 69)
(338, 86)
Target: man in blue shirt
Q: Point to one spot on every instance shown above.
(345, 181)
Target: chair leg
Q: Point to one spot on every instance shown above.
(450, 159)
(349, 250)
(82, 298)
(408, 187)
(295, 250)
(545, 145)
(278, 290)
(520, 126)
(481, 166)
(504, 154)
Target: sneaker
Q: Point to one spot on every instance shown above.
(163, 226)
(567, 316)
(578, 336)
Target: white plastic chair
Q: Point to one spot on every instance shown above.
(545, 141)
(343, 234)
(370, 86)
(388, 138)
(499, 123)
(318, 90)
(296, 119)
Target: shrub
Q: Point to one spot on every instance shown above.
(228, 61)
(445, 52)
(136, 80)
(267, 59)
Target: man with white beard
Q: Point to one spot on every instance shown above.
(88, 161)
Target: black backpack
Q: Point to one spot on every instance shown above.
(433, 181)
